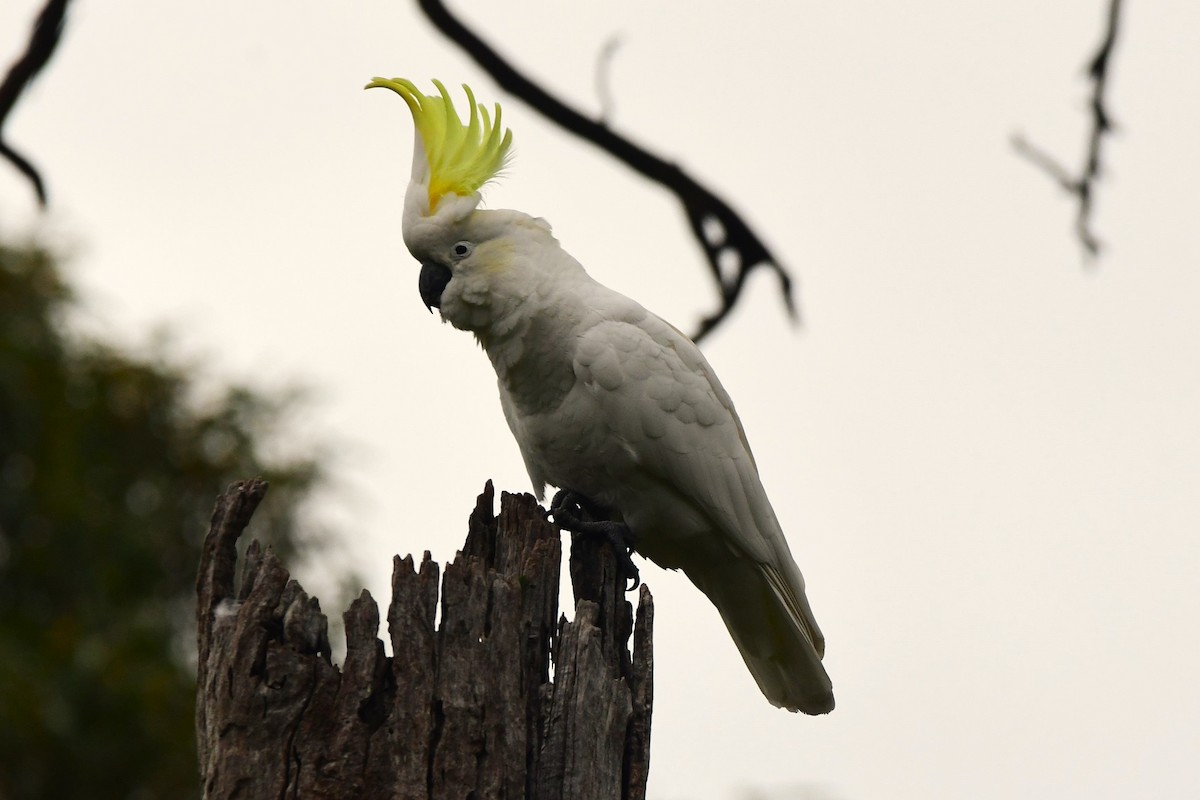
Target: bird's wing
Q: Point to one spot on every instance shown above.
(692, 495)
(659, 397)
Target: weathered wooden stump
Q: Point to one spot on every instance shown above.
(466, 707)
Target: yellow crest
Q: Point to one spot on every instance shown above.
(462, 158)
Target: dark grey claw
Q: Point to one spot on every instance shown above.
(567, 508)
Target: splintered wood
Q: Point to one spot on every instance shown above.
(463, 708)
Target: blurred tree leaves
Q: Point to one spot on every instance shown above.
(108, 471)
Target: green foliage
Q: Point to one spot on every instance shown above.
(108, 472)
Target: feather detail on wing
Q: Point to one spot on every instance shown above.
(798, 606)
(690, 491)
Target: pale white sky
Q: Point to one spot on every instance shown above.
(986, 456)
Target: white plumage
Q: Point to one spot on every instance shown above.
(606, 399)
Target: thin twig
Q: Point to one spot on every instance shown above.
(47, 31)
(603, 67)
(705, 211)
(1083, 187)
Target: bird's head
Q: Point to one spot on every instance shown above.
(443, 228)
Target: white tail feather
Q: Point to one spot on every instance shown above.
(770, 621)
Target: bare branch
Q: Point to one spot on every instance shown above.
(735, 245)
(1083, 187)
(47, 31)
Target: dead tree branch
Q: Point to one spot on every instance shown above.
(731, 248)
(463, 708)
(47, 31)
(1083, 186)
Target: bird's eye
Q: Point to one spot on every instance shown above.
(461, 250)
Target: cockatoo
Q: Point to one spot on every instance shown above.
(605, 399)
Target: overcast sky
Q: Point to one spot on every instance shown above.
(985, 454)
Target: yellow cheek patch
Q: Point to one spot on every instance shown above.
(462, 158)
(494, 256)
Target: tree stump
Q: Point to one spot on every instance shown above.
(501, 698)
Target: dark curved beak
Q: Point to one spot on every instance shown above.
(432, 283)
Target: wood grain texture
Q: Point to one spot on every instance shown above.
(499, 697)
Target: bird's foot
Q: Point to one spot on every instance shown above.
(569, 508)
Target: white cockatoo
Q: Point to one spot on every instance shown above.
(605, 399)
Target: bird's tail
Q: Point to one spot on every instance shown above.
(769, 618)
